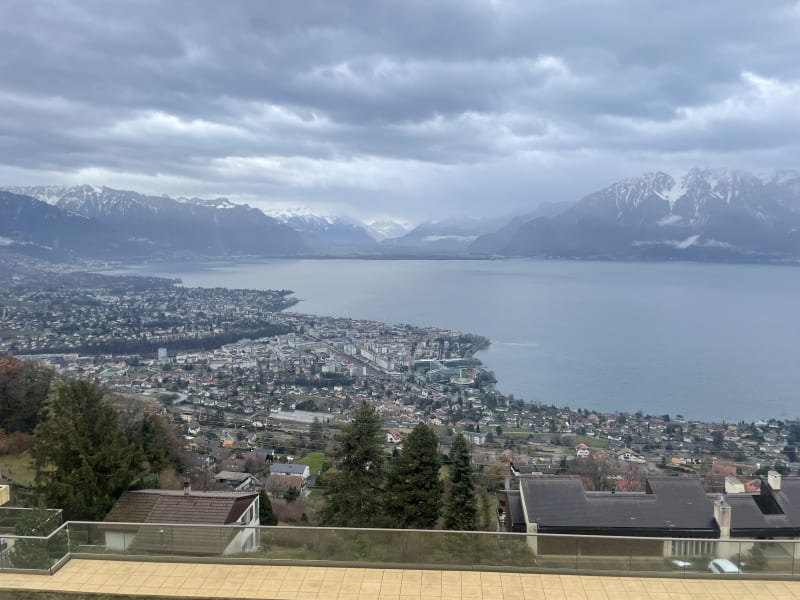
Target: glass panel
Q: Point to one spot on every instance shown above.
(504, 550)
(768, 557)
(24, 553)
(454, 548)
(556, 551)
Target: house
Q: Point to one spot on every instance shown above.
(478, 438)
(264, 455)
(582, 450)
(177, 522)
(628, 455)
(553, 504)
(670, 507)
(280, 483)
(393, 436)
(240, 482)
(295, 470)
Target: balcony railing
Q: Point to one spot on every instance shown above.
(568, 554)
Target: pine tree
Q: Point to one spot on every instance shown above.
(265, 514)
(354, 497)
(414, 499)
(460, 511)
(83, 459)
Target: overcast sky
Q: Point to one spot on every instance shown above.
(415, 109)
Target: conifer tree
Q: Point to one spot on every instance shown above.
(414, 498)
(460, 511)
(354, 497)
(82, 457)
(265, 514)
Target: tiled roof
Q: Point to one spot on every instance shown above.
(173, 506)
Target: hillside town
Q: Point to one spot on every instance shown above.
(252, 390)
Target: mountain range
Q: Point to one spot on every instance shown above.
(700, 215)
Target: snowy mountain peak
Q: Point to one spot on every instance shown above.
(221, 203)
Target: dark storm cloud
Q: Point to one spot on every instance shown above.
(417, 108)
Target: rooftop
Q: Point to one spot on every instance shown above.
(175, 506)
(200, 580)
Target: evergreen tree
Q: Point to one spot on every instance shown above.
(315, 434)
(23, 392)
(460, 511)
(414, 499)
(354, 497)
(82, 457)
(265, 514)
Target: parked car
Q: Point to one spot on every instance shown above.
(723, 566)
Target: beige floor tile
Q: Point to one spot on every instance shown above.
(370, 587)
(471, 591)
(390, 588)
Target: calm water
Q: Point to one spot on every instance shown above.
(707, 341)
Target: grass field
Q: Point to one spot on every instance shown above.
(17, 467)
(314, 461)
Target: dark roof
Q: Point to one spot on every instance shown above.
(671, 507)
(173, 506)
(769, 513)
(288, 469)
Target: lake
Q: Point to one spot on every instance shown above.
(708, 341)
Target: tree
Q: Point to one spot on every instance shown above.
(82, 457)
(354, 497)
(23, 391)
(315, 434)
(414, 497)
(460, 510)
(265, 514)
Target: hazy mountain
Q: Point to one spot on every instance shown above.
(487, 242)
(30, 226)
(325, 233)
(446, 236)
(704, 214)
(165, 226)
(383, 229)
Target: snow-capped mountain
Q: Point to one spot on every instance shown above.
(35, 228)
(383, 229)
(324, 233)
(165, 226)
(701, 214)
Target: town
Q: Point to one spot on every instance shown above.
(250, 388)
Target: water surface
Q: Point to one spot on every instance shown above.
(715, 342)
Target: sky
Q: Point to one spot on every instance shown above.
(410, 109)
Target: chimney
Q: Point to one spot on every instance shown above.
(774, 480)
(722, 515)
(187, 485)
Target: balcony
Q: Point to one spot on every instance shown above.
(400, 549)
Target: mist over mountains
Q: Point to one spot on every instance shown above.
(700, 215)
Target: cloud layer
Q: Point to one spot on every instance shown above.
(420, 109)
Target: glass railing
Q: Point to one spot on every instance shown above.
(32, 553)
(436, 549)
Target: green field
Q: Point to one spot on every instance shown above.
(314, 461)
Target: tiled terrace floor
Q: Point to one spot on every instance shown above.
(236, 581)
